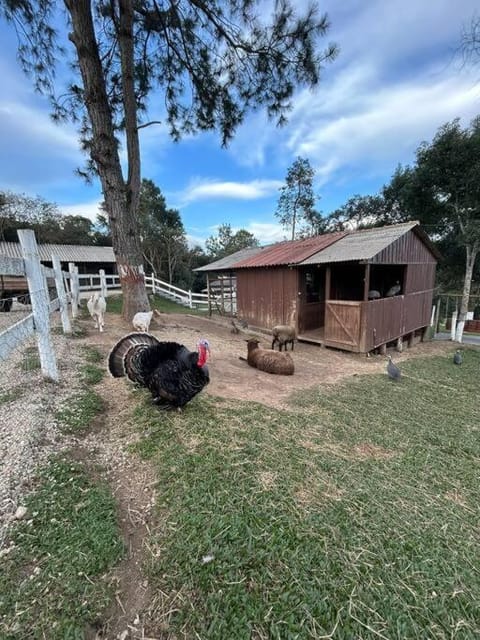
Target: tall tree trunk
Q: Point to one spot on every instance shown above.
(472, 252)
(121, 199)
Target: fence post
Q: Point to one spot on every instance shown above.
(62, 296)
(103, 283)
(73, 289)
(153, 282)
(190, 303)
(453, 328)
(40, 302)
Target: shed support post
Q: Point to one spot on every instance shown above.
(399, 344)
(62, 296)
(38, 290)
(383, 349)
(328, 277)
(366, 282)
(209, 296)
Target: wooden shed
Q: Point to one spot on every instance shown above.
(355, 290)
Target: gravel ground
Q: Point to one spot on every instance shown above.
(28, 402)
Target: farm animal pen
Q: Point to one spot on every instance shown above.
(321, 286)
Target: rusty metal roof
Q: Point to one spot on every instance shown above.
(65, 252)
(289, 252)
(362, 245)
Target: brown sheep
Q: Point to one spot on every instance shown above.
(268, 360)
(283, 334)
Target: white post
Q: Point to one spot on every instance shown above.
(76, 281)
(453, 328)
(73, 290)
(153, 282)
(38, 290)
(62, 296)
(432, 318)
(190, 303)
(103, 283)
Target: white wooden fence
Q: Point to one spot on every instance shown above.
(91, 282)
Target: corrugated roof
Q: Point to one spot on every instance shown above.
(225, 264)
(289, 252)
(65, 252)
(361, 245)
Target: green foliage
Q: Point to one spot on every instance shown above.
(50, 583)
(352, 515)
(227, 242)
(296, 204)
(359, 212)
(20, 210)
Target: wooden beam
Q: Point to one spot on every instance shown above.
(366, 282)
(328, 278)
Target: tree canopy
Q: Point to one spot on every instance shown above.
(227, 242)
(50, 226)
(296, 204)
(211, 61)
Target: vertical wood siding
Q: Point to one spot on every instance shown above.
(266, 297)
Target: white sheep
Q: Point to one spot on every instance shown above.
(141, 320)
(97, 307)
(283, 334)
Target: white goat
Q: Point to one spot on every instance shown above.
(141, 320)
(97, 307)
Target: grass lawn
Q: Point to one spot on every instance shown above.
(354, 514)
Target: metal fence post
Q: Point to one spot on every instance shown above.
(37, 287)
(62, 296)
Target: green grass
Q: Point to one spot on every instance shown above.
(114, 305)
(50, 583)
(91, 372)
(11, 395)
(31, 359)
(352, 515)
(77, 416)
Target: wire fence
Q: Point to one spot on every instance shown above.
(38, 369)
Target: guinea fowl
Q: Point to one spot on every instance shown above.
(457, 357)
(172, 373)
(393, 291)
(392, 370)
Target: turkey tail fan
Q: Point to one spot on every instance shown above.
(116, 357)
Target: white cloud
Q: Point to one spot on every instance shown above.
(85, 209)
(208, 189)
(266, 232)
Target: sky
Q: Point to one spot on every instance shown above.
(399, 76)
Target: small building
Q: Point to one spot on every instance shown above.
(88, 258)
(355, 290)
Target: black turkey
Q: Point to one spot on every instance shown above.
(172, 373)
(457, 357)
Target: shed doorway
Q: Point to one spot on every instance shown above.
(311, 298)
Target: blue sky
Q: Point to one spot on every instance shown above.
(396, 80)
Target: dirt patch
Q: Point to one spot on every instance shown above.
(232, 378)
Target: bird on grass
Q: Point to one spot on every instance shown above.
(393, 371)
(172, 373)
(457, 357)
